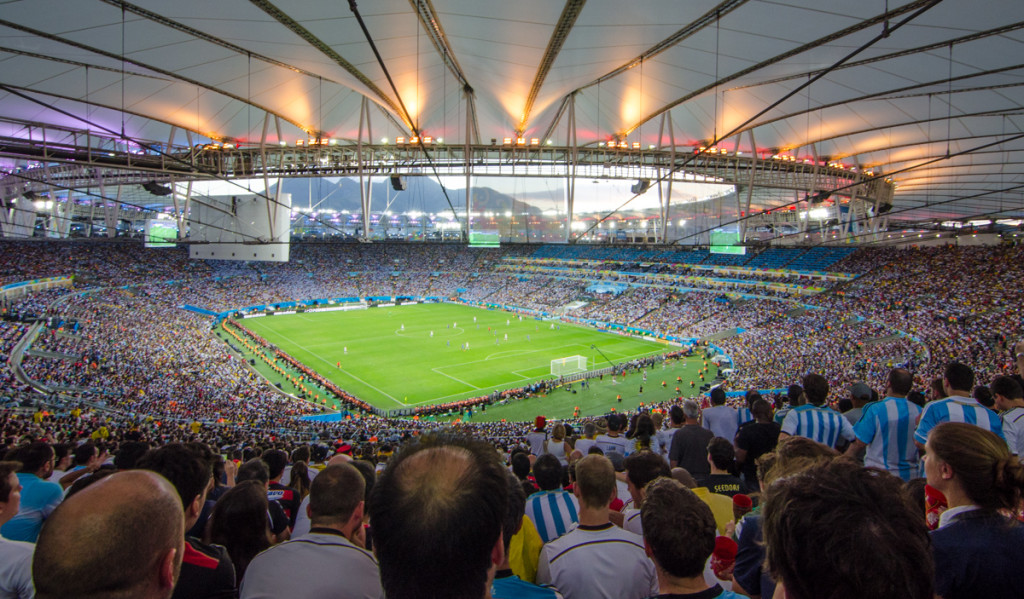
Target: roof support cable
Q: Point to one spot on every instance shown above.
(155, 149)
(691, 157)
(408, 118)
(977, 149)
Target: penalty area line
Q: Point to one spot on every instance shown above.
(346, 373)
(438, 371)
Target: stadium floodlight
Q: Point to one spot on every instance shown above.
(156, 189)
(641, 186)
(567, 366)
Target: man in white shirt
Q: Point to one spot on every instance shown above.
(589, 433)
(641, 468)
(576, 563)
(331, 560)
(720, 419)
(15, 556)
(302, 522)
(675, 420)
(613, 440)
(1009, 398)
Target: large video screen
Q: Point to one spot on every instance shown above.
(161, 234)
(484, 239)
(726, 242)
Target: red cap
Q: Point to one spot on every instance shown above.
(742, 501)
(725, 548)
(540, 422)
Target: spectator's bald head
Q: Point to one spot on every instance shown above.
(339, 458)
(437, 514)
(119, 538)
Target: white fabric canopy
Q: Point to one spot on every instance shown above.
(944, 86)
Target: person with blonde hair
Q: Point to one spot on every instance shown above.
(977, 543)
(557, 445)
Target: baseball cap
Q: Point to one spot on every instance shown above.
(860, 391)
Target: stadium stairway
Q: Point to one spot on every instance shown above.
(52, 355)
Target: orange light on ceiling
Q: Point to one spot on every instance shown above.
(400, 140)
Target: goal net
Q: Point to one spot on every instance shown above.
(570, 365)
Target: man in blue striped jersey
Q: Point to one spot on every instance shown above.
(958, 406)
(506, 584)
(744, 414)
(886, 429)
(815, 420)
(552, 510)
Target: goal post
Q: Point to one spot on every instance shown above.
(569, 365)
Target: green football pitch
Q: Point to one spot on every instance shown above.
(422, 354)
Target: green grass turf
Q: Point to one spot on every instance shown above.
(602, 395)
(393, 368)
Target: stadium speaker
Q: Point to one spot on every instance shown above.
(397, 183)
(819, 197)
(883, 208)
(156, 189)
(641, 186)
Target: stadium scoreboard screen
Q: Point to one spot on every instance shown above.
(726, 242)
(161, 234)
(484, 239)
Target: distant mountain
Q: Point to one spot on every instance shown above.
(422, 194)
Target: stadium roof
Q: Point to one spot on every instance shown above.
(929, 92)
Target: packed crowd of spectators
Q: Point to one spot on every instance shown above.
(684, 500)
(843, 351)
(136, 354)
(627, 307)
(159, 428)
(968, 319)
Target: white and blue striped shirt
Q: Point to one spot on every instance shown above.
(821, 424)
(887, 427)
(554, 513)
(743, 415)
(956, 409)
